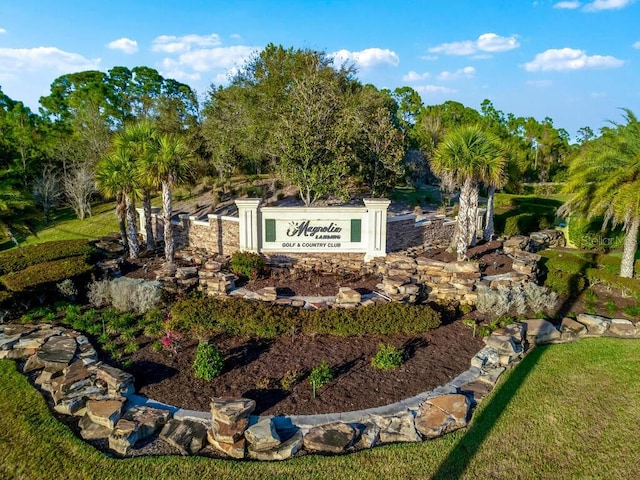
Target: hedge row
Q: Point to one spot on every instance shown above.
(44, 274)
(201, 316)
(19, 259)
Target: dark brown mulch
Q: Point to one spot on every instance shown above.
(255, 368)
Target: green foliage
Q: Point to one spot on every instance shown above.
(522, 224)
(16, 260)
(588, 234)
(247, 264)
(523, 214)
(206, 315)
(387, 357)
(320, 376)
(43, 275)
(208, 363)
(131, 347)
(289, 380)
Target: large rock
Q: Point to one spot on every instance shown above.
(234, 450)
(571, 330)
(622, 328)
(8, 341)
(487, 357)
(225, 433)
(229, 410)
(369, 435)
(285, 450)
(596, 325)
(348, 295)
(32, 364)
(504, 344)
(136, 424)
(541, 331)
(118, 382)
(38, 338)
(262, 435)
(331, 438)
(443, 414)
(105, 412)
(57, 352)
(92, 431)
(73, 402)
(75, 376)
(400, 428)
(187, 436)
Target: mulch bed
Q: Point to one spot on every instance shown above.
(255, 368)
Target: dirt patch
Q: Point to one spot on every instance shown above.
(275, 372)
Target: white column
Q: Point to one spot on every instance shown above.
(375, 228)
(248, 212)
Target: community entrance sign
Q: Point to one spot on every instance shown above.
(314, 229)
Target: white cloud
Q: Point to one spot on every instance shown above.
(171, 69)
(429, 57)
(599, 5)
(570, 5)
(415, 76)
(235, 36)
(434, 89)
(125, 44)
(466, 72)
(173, 44)
(367, 58)
(487, 42)
(636, 45)
(207, 59)
(540, 83)
(40, 58)
(2, 30)
(570, 59)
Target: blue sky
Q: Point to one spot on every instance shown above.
(575, 61)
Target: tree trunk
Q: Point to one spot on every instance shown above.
(473, 215)
(121, 213)
(146, 206)
(462, 227)
(132, 228)
(630, 247)
(167, 213)
(488, 228)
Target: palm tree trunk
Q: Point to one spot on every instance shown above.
(146, 206)
(488, 228)
(630, 248)
(132, 228)
(462, 227)
(121, 213)
(167, 213)
(473, 215)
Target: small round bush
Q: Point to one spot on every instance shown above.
(388, 357)
(320, 376)
(208, 363)
(247, 264)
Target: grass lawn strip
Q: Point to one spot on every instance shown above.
(567, 411)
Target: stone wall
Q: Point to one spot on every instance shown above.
(65, 365)
(408, 231)
(218, 235)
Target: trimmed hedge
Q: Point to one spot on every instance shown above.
(19, 259)
(44, 274)
(205, 316)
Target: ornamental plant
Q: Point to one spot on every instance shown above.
(171, 341)
(208, 363)
(388, 357)
(247, 264)
(320, 376)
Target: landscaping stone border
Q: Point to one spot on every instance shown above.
(69, 373)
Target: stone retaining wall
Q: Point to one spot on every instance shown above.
(408, 231)
(66, 367)
(218, 235)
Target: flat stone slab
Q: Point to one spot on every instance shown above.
(571, 330)
(399, 428)
(622, 328)
(541, 331)
(331, 438)
(92, 431)
(105, 412)
(230, 409)
(226, 433)
(58, 352)
(118, 382)
(286, 450)
(443, 414)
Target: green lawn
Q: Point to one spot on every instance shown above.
(567, 411)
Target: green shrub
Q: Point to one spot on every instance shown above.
(16, 260)
(588, 234)
(388, 357)
(208, 363)
(522, 224)
(247, 264)
(46, 274)
(131, 347)
(203, 316)
(320, 376)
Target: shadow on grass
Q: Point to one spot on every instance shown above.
(483, 422)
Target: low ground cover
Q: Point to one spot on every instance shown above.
(567, 411)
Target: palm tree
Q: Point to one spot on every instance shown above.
(169, 165)
(605, 180)
(116, 177)
(142, 139)
(468, 155)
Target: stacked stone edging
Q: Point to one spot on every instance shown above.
(104, 399)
